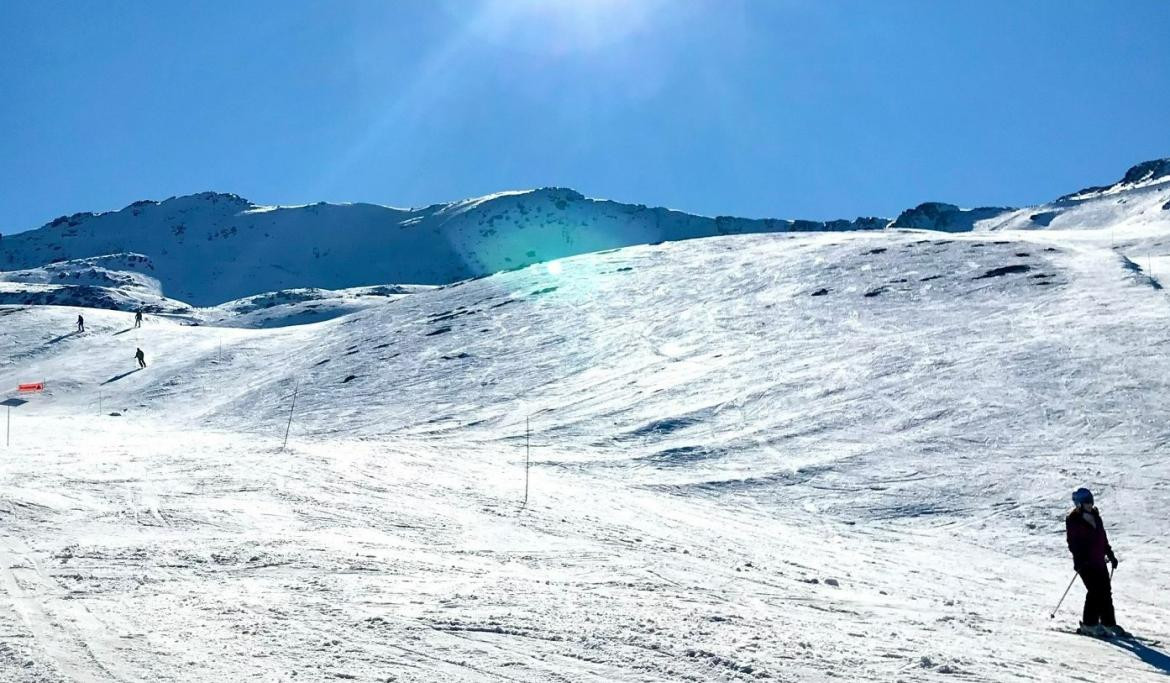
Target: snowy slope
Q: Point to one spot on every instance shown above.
(1140, 199)
(116, 271)
(756, 457)
(120, 282)
(300, 306)
(211, 248)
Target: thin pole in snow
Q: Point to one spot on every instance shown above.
(290, 414)
(527, 451)
(1066, 590)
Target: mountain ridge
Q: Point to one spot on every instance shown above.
(214, 247)
(210, 247)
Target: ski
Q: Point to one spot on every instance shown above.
(1149, 642)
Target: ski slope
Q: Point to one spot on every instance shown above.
(753, 457)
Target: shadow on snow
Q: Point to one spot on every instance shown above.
(64, 337)
(1155, 658)
(115, 378)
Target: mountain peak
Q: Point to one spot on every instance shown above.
(1155, 169)
(199, 199)
(945, 217)
(1150, 172)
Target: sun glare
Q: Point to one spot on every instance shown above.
(561, 26)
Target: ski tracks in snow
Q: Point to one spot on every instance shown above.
(64, 631)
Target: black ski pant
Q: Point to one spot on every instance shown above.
(141, 363)
(1099, 599)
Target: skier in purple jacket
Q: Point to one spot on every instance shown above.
(1090, 549)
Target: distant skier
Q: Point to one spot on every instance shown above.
(141, 358)
(1090, 548)
(80, 324)
(138, 318)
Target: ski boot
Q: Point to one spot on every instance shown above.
(1118, 632)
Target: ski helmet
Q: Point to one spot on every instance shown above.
(1082, 496)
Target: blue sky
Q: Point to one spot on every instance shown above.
(784, 108)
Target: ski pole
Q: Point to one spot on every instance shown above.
(1066, 590)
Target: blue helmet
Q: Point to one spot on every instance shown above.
(1082, 496)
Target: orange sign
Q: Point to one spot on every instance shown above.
(32, 386)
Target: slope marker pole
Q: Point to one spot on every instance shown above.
(287, 427)
(527, 458)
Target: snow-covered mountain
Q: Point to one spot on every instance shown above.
(114, 281)
(1141, 197)
(210, 248)
(121, 282)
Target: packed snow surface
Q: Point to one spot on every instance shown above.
(753, 458)
(794, 457)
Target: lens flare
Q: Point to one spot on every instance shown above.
(554, 27)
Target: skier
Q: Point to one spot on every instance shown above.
(138, 318)
(1090, 548)
(141, 358)
(80, 324)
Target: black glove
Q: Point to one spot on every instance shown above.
(1113, 560)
